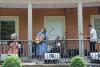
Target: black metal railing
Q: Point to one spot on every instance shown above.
(53, 51)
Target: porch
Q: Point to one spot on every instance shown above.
(29, 17)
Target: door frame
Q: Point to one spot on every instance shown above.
(55, 17)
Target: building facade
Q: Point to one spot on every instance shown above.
(64, 18)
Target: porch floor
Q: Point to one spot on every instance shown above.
(56, 65)
(41, 61)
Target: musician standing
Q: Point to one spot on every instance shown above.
(93, 38)
(13, 44)
(41, 48)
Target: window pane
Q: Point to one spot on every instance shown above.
(97, 27)
(7, 28)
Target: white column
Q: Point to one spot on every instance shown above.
(30, 28)
(80, 28)
(0, 30)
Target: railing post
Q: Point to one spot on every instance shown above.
(80, 28)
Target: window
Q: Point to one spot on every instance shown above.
(8, 25)
(95, 21)
(97, 27)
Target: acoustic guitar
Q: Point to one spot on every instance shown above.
(39, 39)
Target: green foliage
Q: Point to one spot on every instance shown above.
(1, 62)
(77, 61)
(12, 61)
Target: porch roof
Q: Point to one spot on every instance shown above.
(47, 3)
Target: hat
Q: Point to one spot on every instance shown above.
(13, 36)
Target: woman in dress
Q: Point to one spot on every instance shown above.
(41, 37)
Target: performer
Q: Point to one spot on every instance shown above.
(92, 38)
(13, 44)
(41, 38)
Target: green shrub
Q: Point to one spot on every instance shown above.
(77, 61)
(12, 61)
(1, 62)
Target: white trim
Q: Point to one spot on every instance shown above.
(16, 18)
(54, 17)
(47, 3)
(92, 17)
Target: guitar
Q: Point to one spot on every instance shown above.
(39, 39)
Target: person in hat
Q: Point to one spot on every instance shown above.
(13, 49)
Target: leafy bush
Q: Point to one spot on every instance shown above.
(77, 61)
(12, 61)
(1, 62)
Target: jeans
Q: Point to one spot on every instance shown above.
(92, 46)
